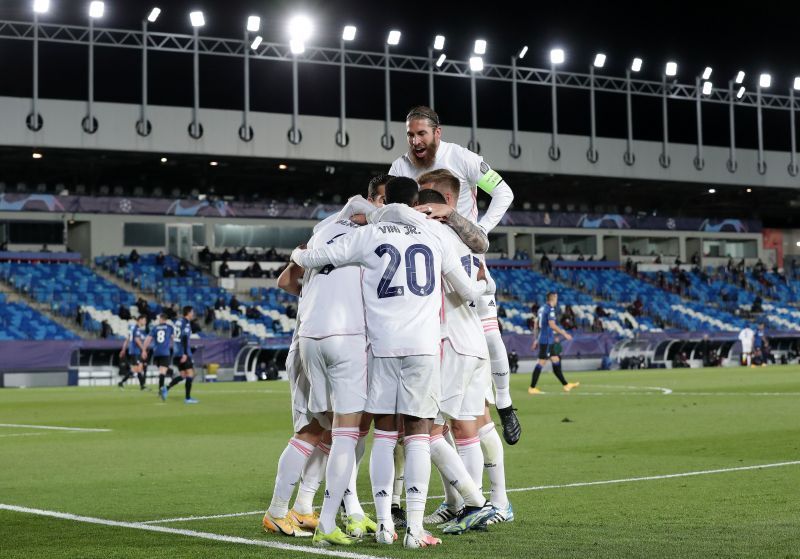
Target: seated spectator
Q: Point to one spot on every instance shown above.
(271, 255)
(681, 361)
(234, 304)
(183, 270)
(581, 258)
(44, 249)
(628, 266)
(209, 316)
(219, 304)
(545, 265)
(224, 269)
(535, 309)
(204, 255)
(597, 325)
(291, 311)
(638, 307)
(121, 261)
(105, 330)
(171, 312)
(501, 311)
(513, 361)
(559, 258)
(241, 254)
(79, 317)
(160, 258)
(226, 255)
(169, 272)
(255, 271)
(252, 313)
(124, 312)
(236, 330)
(757, 306)
(134, 256)
(144, 308)
(696, 258)
(600, 311)
(591, 258)
(657, 260)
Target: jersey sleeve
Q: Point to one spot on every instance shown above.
(479, 173)
(348, 249)
(398, 213)
(396, 169)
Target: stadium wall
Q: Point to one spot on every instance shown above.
(62, 129)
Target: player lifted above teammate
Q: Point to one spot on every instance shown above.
(427, 152)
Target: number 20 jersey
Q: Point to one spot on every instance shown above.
(331, 303)
(401, 284)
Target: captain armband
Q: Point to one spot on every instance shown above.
(489, 181)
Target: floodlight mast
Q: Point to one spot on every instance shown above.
(556, 57)
(299, 32)
(793, 166)
(475, 66)
(34, 120)
(438, 45)
(348, 34)
(393, 39)
(592, 154)
(253, 26)
(514, 149)
(89, 123)
(670, 70)
(143, 126)
(764, 81)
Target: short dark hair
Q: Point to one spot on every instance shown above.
(376, 182)
(402, 190)
(424, 112)
(187, 309)
(140, 317)
(550, 295)
(430, 196)
(163, 316)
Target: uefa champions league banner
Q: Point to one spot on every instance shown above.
(281, 210)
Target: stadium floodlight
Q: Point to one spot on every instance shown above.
(557, 56)
(440, 60)
(393, 38)
(37, 155)
(438, 42)
(256, 42)
(476, 64)
(283, 166)
(96, 9)
(253, 24)
(523, 52)
(41, 6)
(300, 28)
(153, 15)
(599, 60)
(749, 190)
(214, 163)
(349, 33)
(480, 46)
(296, 46)
(740, 93)
(707, 72)
(164, 160)
(740, 77)
(707, 87)
(765, 80)
(197, 19)
(712, 190)
(636, 65)
(671, 69)
(797, 83)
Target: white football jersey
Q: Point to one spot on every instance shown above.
(468, 168)
(461, 323)
(746, 336)
(401, 282)
(331, 303)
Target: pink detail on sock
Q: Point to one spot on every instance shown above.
(468, 442)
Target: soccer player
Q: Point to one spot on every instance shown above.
(544, 338)
(183, 355)
(746, 336)
(134, 345)
(161, 336)
(761, 345)
(475, 437)
(402, 265)
(427, 152)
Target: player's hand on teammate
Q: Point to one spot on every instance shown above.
(436, 211)
(359, 219)
(296, 254)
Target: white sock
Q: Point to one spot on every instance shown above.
(452, 498)
(337, 475)
(454, 474)
(381, 475)
(500, 368)
(418, 476)
(290, 464)
(352, 505)
(399, 471)
(493, 455)
(470, 452)
(311, 479)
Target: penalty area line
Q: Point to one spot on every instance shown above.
(189, 533)
(55, 428)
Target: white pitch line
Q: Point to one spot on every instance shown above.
(524, 489)
(190, 533)
(53, 428)
(24, 435)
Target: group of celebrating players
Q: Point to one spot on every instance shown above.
(167, 343)
(397, 327)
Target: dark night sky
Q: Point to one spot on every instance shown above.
(753, 37)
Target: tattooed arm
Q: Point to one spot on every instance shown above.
(472, 234)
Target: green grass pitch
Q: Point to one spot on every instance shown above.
(162, 461)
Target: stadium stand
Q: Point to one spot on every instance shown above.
(20, 322)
